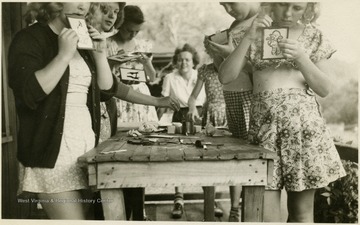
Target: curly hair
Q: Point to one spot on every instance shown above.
(311, 14)
(133, 13)
(187, 48)
(104, 8)
(42, 12)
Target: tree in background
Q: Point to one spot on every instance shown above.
(170, 25)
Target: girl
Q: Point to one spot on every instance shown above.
(214, 107)
(57, 91)
(285, 116)
(238, 93)
(105, 16)
(125, 40)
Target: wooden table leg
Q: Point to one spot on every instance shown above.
(252, 209)
(113, 204)
(209, 201)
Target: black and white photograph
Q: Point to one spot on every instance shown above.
(180, 112)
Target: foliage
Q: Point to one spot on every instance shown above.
(341, 105)
(338, 202)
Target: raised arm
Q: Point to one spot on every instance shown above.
(105, 78)
(230, 69)
(49, 76)
(148, 66)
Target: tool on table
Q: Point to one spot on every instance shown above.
(204, 145)
(171, 136)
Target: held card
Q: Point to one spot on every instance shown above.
(270, 42)
(78, 24)
(132, 75)
(220, 37)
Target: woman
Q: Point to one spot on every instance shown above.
(125, 41)
(180, 84)
(57, 90)
(105, 16)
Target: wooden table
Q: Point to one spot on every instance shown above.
(117, 164)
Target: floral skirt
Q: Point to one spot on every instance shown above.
(130, 112)
(289, 122)
(78, 138)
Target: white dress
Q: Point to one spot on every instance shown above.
(78, 137)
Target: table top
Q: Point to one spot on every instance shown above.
(167, 147)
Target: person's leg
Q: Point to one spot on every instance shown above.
(235, 193)
(71, 210)
(272, 206)
(178, 209)
(301, 206)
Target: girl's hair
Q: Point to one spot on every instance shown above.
(187, 48)
(42, 12)
(311, 13)
(133, 13)
(104, 8)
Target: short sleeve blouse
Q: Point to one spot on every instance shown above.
(312, 40)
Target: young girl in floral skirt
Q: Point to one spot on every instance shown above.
(285, 116)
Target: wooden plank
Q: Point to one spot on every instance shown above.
(175, 153)
(227, 153)
(92, 174)
(114, 151)
(158, 153)
(211, 153)
(113, 204)
(140, 153)
(270, 168)
(184, 173)
(192, 153)
(209, 194)
(253, 204)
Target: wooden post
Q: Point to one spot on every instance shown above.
(252, 204)
(209, 201)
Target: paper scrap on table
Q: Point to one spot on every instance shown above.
(113, 151)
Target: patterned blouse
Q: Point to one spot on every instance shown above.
(214, 113)
(312, 40)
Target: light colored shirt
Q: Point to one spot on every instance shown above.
(176, 86)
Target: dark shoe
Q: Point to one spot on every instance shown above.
(217, 211)
(234, 216)
(177, 211)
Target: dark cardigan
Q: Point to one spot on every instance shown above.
(41, 116)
